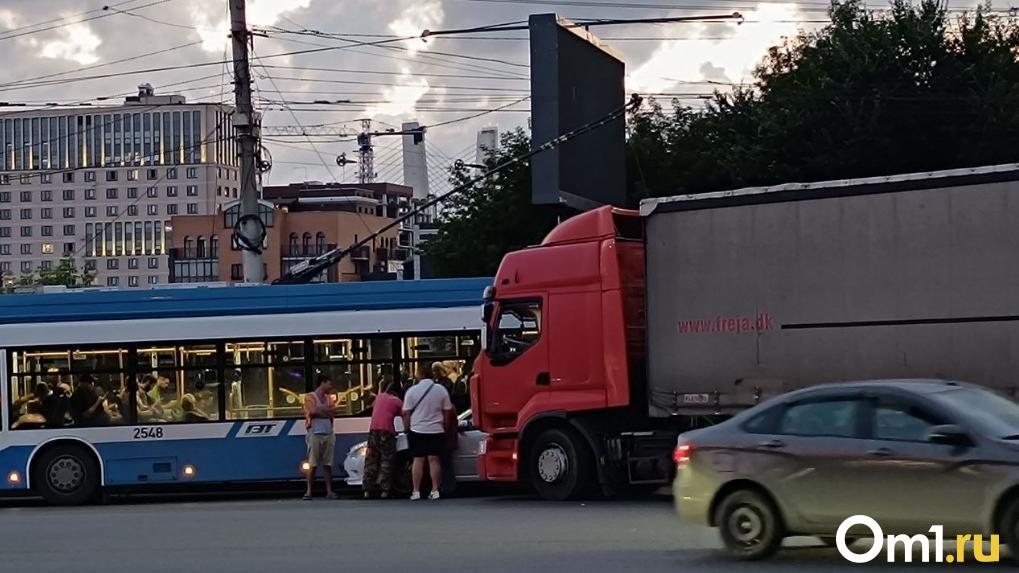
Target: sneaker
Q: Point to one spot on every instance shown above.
(415, 496)
(433, 495)
(332, 495)
(306, 497)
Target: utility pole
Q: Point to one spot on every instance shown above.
(250, 230)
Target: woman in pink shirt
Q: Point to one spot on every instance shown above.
(378, 460)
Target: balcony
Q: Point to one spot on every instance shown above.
(362, 253)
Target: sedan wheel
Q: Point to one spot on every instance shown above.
(749, 525)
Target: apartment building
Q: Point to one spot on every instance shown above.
(101, 184)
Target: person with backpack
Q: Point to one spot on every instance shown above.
(428, 413)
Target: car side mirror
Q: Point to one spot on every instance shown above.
(464, 425)
(949, 434)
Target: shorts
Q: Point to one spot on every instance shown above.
(321, 448)
(423, 445)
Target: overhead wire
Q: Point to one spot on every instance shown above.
(105, 13)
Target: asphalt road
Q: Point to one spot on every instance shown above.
(491, 534)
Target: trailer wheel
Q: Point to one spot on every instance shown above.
(561, 466)
(66, 474)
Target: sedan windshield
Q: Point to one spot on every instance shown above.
(988, 412)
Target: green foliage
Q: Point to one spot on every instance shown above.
(479, 226)
(66, 273)
(903, 90)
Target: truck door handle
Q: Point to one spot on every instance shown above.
(543, 379)
(880, 452)
(772, 444)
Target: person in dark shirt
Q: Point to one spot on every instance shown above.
(53, 404)
(86, 404)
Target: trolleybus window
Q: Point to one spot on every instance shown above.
(265, 379)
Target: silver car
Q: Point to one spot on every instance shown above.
(908, 453)
(465, 461)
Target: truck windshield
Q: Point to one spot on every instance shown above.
(991, 414)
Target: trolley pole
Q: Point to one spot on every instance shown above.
(245, 126)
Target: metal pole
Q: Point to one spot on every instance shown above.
(244, 123)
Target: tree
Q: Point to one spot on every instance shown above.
(479, 226)
(66, 273)
(873, 93)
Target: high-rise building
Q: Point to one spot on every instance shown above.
(488, 142)
(101, 184)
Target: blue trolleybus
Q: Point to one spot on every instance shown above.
(205, 385)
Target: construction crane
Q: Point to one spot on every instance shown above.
(365, 147)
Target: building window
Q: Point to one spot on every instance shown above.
(192, 172)
(26, 179)
(46, 213)
(132, 210)
(153, 209)
(26, 196)
(5, 179)
(69, 177)
(192, 208)
(294, 244)
(26, 214)
(46, 231)
(152, 192)
(90, 176)
(112, 211)
(46, 196)
(132, 281)
(153, 280)
(5, 267)
(90, 194)
(5, 196)
(26, 231)
(236, 272)
(153, 262)
(68, 194)
(68, 248)
(111, 193)
(214, 246)
(132, 175)
(192, 190)
(46, 178)
(47, 248)
(68, 212)
(235, 192)
(151, 174)
(26, 249)
(112, 281)
(132, 264)
(320, 243)
(111, 175)
(90, 265)
(189, 248)
(171, 209)
(132, 192)
(90, 211)
(5, 214)
(171, 191)
(68, 230)
(5, 232)
(46, 265)
(26, 266)
(306, 244)
(171, 172)
(200, 248)
(219, 191)
(112, 264)
(5, 249)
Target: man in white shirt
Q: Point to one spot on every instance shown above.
(428, 412)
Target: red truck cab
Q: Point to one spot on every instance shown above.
(564, 353)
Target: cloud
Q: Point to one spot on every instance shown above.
(732, 59)
(8, 19)
(77, 45)
(214, 28)
(415, 19)
(402, 98)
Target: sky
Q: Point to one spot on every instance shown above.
(444, 79)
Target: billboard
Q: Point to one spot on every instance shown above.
(575, 80)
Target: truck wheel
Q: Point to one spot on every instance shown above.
(66, 475)
(749, 525)
(403, 483)
(561, 465)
